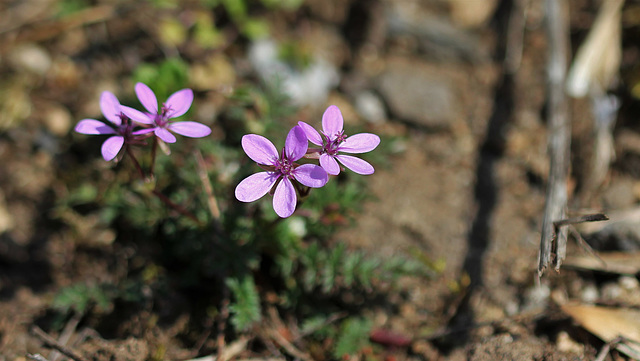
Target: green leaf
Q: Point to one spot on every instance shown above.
(353, 337)
(246, 308)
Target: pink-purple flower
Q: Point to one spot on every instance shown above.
(279, 167)
(122, 129)
(159, 118)
(333, 140)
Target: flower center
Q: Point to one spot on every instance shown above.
(284, 166)
(331, 146)
(126, 126)
(162, 118)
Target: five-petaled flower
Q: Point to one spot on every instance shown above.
(280, 167)
(333, 140)
(177, 104)
(112, 110)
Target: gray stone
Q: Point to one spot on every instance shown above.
(418, 94)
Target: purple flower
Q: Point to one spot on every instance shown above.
(333, 140)
(112, 110)
(279, 167)
(177, 104)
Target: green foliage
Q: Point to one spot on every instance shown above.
(246, 307)
(339, 268)
(79, 297)
(353, 337)
(68, 7)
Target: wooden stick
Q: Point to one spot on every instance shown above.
(559, 130)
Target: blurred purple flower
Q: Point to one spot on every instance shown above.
(333, 140)
(177, 104)
(112, 110)
(279, 167)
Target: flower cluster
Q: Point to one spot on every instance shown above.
(281, 167)
(156, 119)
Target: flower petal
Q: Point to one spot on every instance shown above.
(144, 131)
(138, 116)
(190, 129)
(311, 175)
(165, 135)
(255, 186)
(92, 126)
(110, 107)
(147, 98)
(179, 102)
(260, 149)
(284, 199)
(359, 143)
(111, 147)
(332, 122)
(329, 164)
(312, 134)
(356, 164)
(296, 145)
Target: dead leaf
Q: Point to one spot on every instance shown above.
(608, 324)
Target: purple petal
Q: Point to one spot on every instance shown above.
(332, 122)
(312, 134)
(190, 129)
(110, 107)
(329, 164)
(360, 143)
(255, 186)
(111, 147)
(144, 131)
(179, 102)
(260, 149)
(296, 145)
(284, 199)
(311, 175)
(138, 116)
(147, 98)
(92, 126)
(356, 164)
(165, 135)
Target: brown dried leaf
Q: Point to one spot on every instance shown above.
(608, 324)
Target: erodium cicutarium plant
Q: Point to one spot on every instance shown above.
(333, 141)
(159, 118)
(280, 168)
(129, 127)
(121, 129)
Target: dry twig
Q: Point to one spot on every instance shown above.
(553, 242)
(53, 343)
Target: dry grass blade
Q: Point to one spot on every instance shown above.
(614, 262)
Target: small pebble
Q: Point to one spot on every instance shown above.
(589, 293)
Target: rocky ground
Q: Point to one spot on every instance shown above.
(462, 87)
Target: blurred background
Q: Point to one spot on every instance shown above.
(433, 257)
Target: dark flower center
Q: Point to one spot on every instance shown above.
(162, 118)
(331, 146)
(126, 126)
(284, 166)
